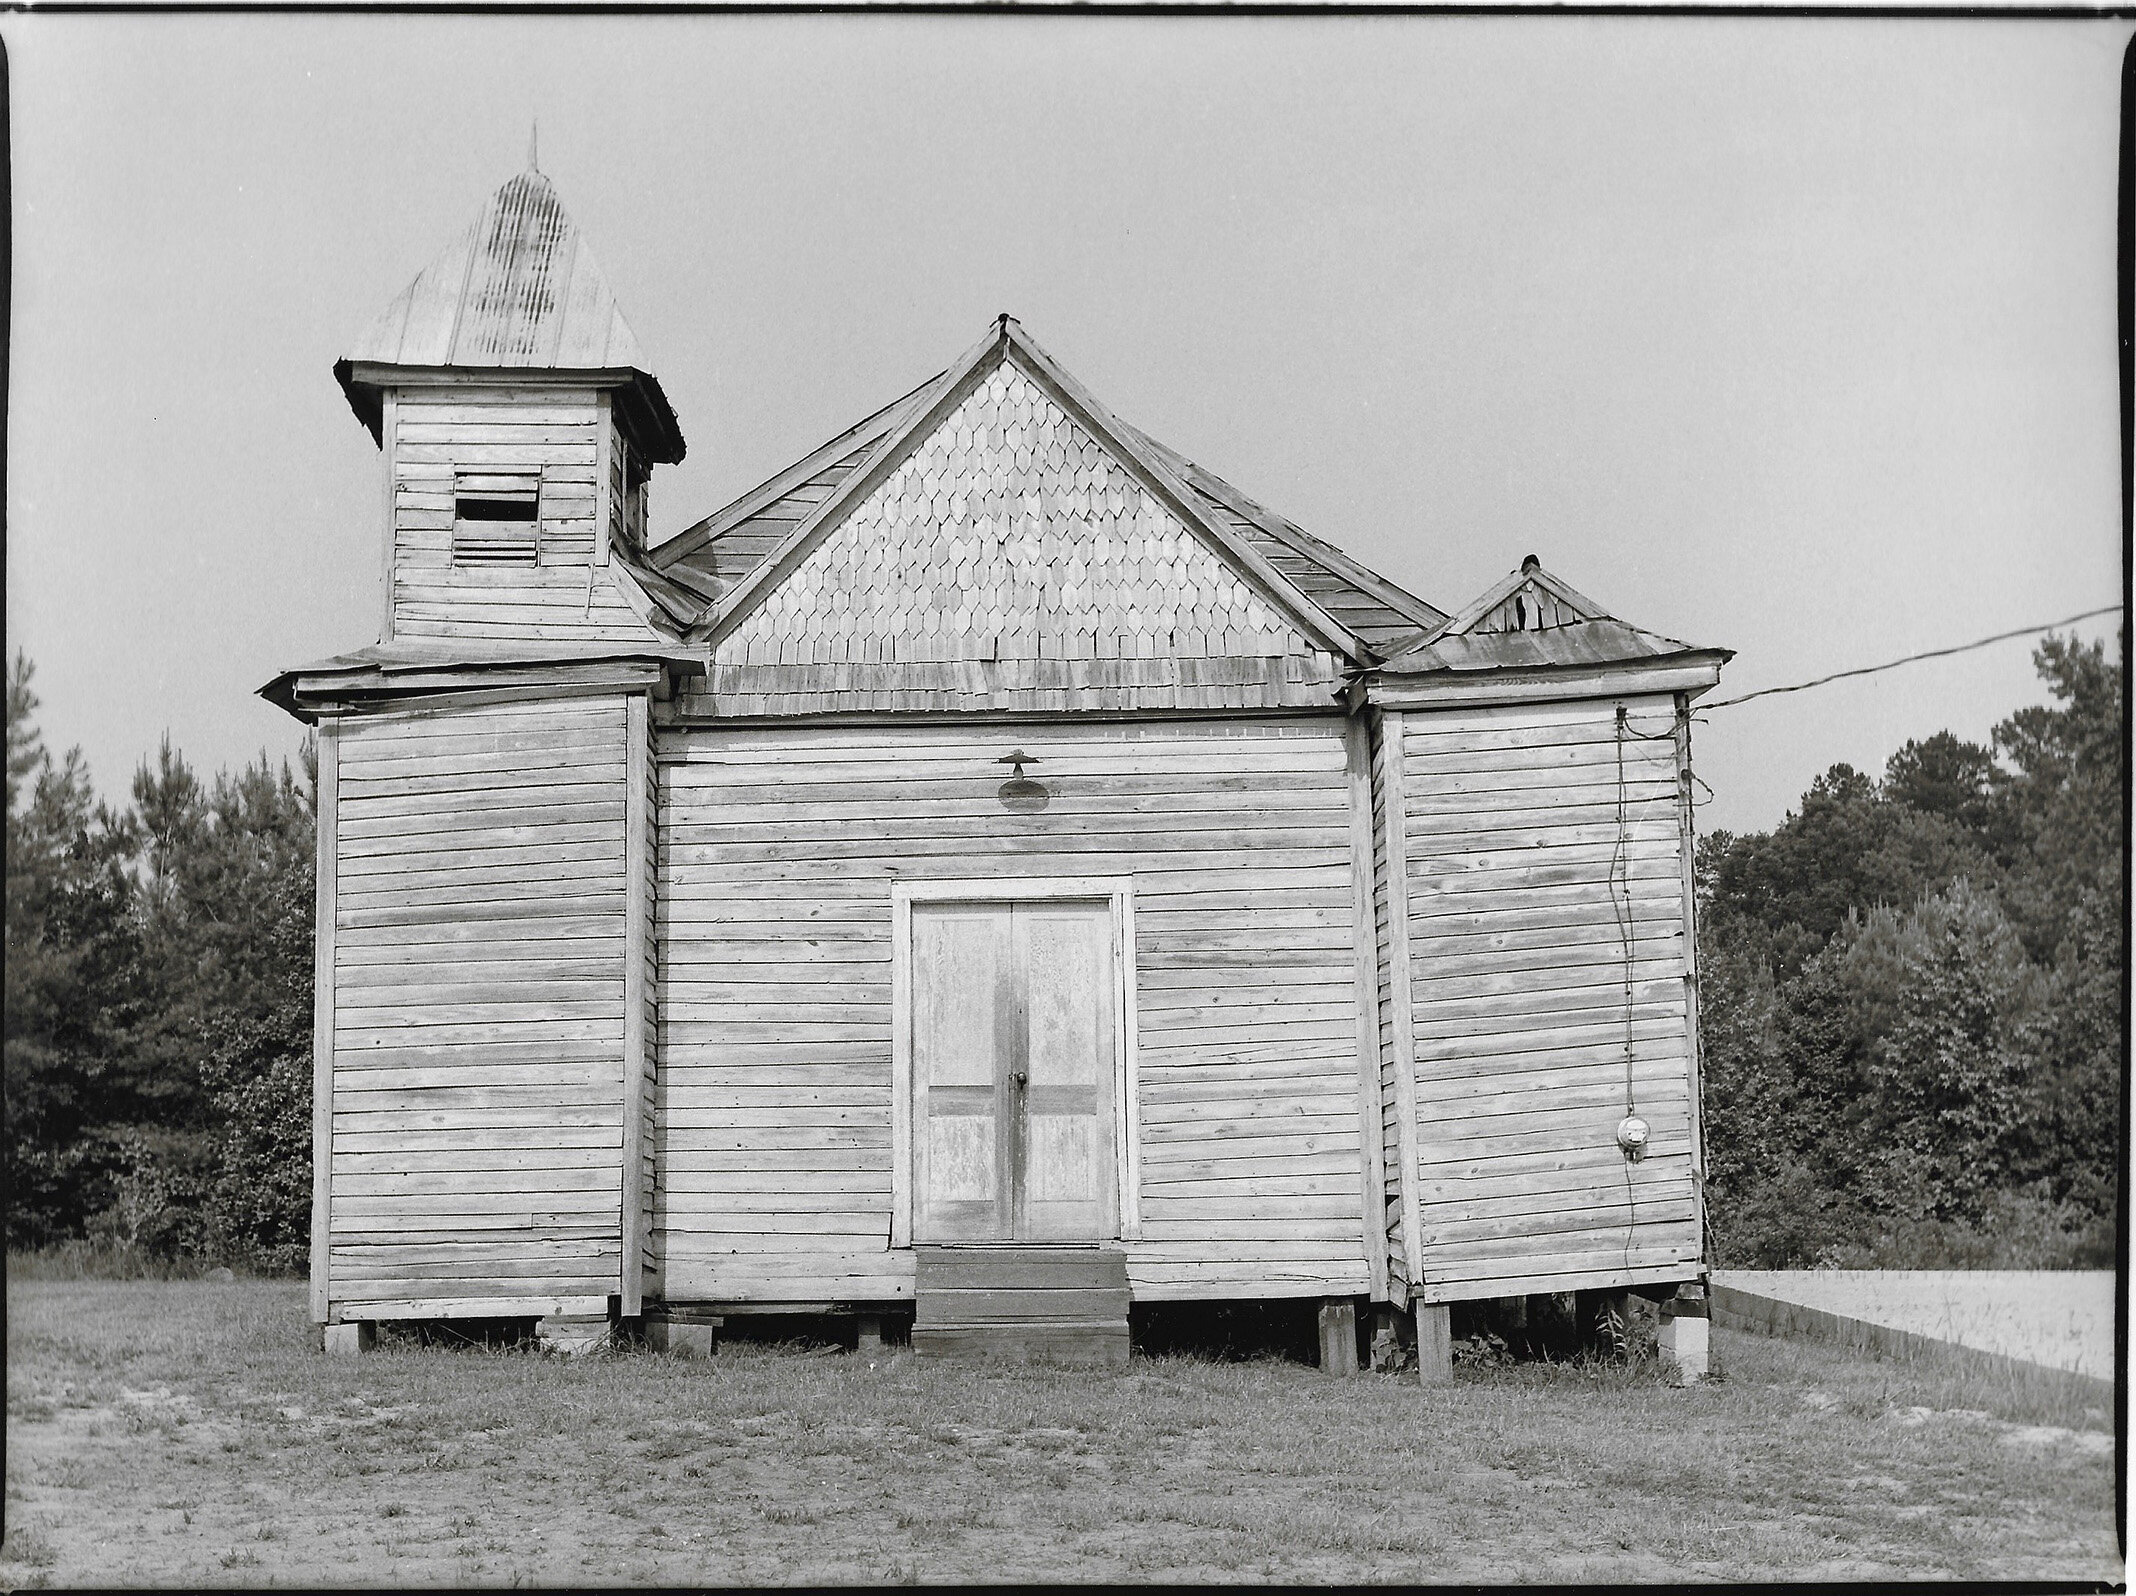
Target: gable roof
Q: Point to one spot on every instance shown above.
(1371, 606)
(749, 547)
(726, 545)
(1534, 620)
(520, 290)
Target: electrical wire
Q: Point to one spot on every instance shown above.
(1620, 880)
(1620, 875)
(1933, 653)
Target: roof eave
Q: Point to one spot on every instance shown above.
(1691, 670)
(332, 687)
(642, 404)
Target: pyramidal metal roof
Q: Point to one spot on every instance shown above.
(520, 290)
(1534, 620)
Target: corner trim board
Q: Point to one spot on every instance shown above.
(1405, 1031)
(636, 834)
(1687, 849)
(604, 488)
(327, 824)
(389, 442)
(1357, 746)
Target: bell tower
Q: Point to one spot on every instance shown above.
(520, 424)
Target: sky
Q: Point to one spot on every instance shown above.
(1790, 336)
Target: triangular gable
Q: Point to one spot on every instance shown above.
(1007, 512)
(1529, 600)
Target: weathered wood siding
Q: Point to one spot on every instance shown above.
(778, 850)
(478, 1037)
(572, 593)
(1514, 819)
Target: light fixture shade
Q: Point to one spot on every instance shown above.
(1019, 792)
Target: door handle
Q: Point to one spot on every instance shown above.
(1020, 1077)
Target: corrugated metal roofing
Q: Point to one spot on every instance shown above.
(519, 290)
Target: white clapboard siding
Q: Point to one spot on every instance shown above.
(1514, 820)
(778, 849)
(477, 1132)
(571, 592)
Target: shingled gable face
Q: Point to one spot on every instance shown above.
(999, 539)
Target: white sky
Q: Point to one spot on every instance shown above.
(1790, 336)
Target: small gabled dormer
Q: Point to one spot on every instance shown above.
(520, 425)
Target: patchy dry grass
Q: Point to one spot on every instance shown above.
(184, 1433)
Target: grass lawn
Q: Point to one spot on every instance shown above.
(167, 1433)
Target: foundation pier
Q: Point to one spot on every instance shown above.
(1338, 1336)
(1435, 1343)
(350, 1337)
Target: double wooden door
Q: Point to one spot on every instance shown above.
(1013, 1060)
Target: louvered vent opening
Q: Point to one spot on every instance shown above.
(496, 517)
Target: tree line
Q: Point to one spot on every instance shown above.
(1911, 1000)
(1910, 1003)
(159, 1003)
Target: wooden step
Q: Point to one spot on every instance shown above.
(1010, 1268)
(1021, 1304)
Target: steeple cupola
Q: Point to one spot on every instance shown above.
(520, 423)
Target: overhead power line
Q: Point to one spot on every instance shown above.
(1933, 653)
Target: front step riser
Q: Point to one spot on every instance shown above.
(1021, 1305)
(973, 1306)
(1020, 1272)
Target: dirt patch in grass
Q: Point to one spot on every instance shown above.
(177, 1433)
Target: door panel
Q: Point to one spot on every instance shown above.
(1065, 976)
(1013, 1067)
(962, 990)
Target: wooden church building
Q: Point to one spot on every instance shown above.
(992, 872)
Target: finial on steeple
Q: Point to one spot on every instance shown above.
(534, 147)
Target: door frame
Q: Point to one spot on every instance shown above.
(1118, 892)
